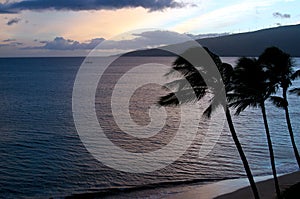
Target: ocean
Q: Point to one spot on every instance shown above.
(42, 156)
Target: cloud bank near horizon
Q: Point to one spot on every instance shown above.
(78, 5)
(60, 43)
(147, 39)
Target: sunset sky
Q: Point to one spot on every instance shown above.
(74, 27)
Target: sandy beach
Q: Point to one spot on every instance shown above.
(239, 188)
(266, 188)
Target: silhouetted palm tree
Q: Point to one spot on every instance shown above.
(251, 88)
(282, 74)
(201, 87)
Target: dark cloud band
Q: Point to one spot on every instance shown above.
(13, 21)
(77, 5)
(59, 43)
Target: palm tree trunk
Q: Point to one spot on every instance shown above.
(288, 121)
(272, 158)
(241, 153)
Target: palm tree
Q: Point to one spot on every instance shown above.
(282, 74)
(251, 88)
(201, 87)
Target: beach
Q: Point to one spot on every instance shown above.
(266, 188)
(239, 188)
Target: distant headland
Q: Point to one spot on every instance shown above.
(245, 44)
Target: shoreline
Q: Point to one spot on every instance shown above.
(265, 188)
(239, 188)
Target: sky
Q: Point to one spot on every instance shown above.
(75, 27)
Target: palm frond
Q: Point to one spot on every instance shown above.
(191, 86)
(250, 85)
(226, 70)
(295, 75)
(207, 113)
(295, 91)
(241, 105)
(179, 71)
(191, 95)
(214, 104)
(180, 61)
(180, 84)
(278, 101)
(168, 100)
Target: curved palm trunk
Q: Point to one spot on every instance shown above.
(288, 121)
(272, 158)
(241, 153)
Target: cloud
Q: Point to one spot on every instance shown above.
(61, 46)
(59, 43)
(8, 40)
(77, 5)
(11, 43)
(143, 40)
(147, 39)
(280, 15)
(13, 21)
(16, 44)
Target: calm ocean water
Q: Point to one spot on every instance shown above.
(41, 155)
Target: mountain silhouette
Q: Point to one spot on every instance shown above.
(244, 44)
(253, 43)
